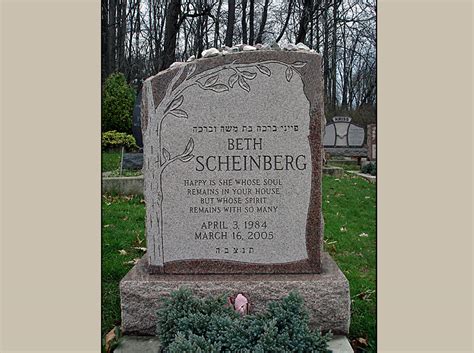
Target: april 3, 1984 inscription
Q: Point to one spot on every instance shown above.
(229, 165)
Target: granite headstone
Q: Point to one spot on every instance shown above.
(232, 164)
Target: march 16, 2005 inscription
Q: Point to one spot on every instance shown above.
(232, 161)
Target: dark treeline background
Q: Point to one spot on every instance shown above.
(143, 37)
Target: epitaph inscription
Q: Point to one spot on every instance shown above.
(231, 165)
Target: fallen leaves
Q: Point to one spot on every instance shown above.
(140, 248)
(361, 341)
(132, 262)
(111, 339)
(343, 229)
(365, 295)
(122, 252)
(363, 235)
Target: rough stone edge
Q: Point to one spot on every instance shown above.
(326, 295)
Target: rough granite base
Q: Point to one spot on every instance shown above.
(326, 295)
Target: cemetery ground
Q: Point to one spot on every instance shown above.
(349, 205)
(111, 165)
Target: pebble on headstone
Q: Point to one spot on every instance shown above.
(248, 48)
(176, 64)
(290, 47)
(191, 58)
(302, 46)
(210, 53)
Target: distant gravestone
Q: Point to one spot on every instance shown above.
(233, 147)
(372, 141)
(342, 133)
(132, 161)
(136, 121)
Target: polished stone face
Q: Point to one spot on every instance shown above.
(342, 133)
(231, 152)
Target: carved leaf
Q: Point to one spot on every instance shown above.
(218, 88)
(166, 154)
(233, 79)
(179, 113)
(186, 158)
(211, 80)
(298, 64)
(176, 103)
(244, 84)
(189, 147)
(264, 70)
(249, 75)
(288, 73)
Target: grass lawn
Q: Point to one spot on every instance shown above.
(111, 164)
(349, 206)
(110, 161)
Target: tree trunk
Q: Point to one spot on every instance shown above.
(104, 24)
(230, 23)
(251, 22)
(288, 15)
(171, 30)
(334, 58)
(304, 21)
(263, 22)
(326, 49)
(244, 21)
(216, 28)
(111, 37)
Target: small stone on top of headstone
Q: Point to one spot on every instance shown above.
(275, 46)
(248, 48)
(290, 46)
(176, 64)
(302, 46)
(210, 52)
(191, 58)
(235, 48)
(258, 46)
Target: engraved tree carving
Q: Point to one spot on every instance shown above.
(158, 158)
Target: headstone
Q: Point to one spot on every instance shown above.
(136, 121)
(342, 133)
(232, 186)
(372, 141)
(132, 161)
(232, 164)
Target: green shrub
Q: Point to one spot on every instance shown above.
(118, 99)
(113, 139)
(188, 324)
(369, 168)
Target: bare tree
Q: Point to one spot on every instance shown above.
(263, 22)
